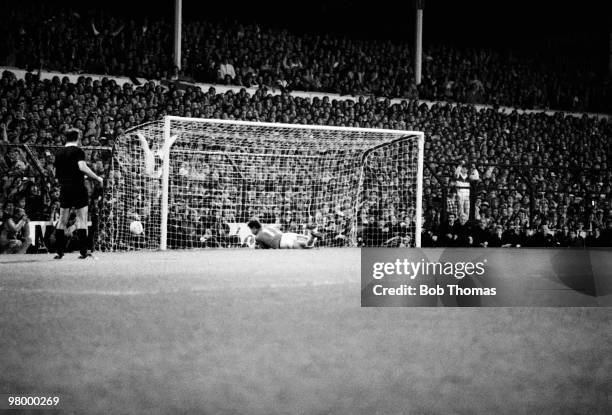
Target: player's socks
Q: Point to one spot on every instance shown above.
(82, 234)
(313, 239)
(60, 243)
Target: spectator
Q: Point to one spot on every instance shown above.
(512, 238)
(502, 196)
(497, 240)
(463, 232)
(15, 233)
(606, 235)
(34, 201)
(575, 240)
(45, 35)
(596, 239)
(226, 73)
(449, 234)
(542, 238)
(481, 236)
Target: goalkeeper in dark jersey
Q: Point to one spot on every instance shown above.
(268, 237)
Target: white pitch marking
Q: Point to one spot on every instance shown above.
(175, 291)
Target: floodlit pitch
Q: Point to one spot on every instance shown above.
(245, 331)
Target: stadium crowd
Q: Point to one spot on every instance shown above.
(564, 158)
(250, 55)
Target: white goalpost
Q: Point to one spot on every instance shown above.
(192, 182)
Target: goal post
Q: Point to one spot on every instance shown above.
(192, 182)
(163, 234)
(419, 189)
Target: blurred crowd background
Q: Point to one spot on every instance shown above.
(96, 41)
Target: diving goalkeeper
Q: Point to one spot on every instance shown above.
(268, 237)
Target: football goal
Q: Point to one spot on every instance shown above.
(190, 182)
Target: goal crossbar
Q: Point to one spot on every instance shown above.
(293, 126)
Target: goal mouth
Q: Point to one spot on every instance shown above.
(194, 183)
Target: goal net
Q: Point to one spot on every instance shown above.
(189, 183)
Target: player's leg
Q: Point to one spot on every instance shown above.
(60, 235)
(288, 240)
(312, 237)
(463, 196)
(15, 246)
(466, 203)
(303, 242)
(4, 242)
(306, 241)
(167, 144)
(149, 157)
(81, 230)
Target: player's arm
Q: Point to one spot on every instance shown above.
(458, 170)
(15, 227)
(85, 169)
(262, 240)
(260, 245)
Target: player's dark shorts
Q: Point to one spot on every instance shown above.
(73, 196)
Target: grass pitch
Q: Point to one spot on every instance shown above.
(281, 332)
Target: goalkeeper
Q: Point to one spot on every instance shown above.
(268, 237)
(149, 155)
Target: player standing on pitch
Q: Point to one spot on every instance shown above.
(269, 237)
(70, 166)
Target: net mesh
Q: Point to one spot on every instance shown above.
(357, 187)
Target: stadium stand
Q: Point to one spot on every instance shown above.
(567, 155)
(250, 55)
